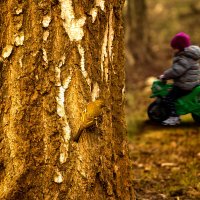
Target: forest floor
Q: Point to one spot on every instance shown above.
(165, 160)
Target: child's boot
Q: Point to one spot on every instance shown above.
(172, 121)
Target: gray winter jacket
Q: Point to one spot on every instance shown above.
(185, 70)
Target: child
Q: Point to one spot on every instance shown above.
(185, 72)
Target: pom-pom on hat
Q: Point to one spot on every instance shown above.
(180, 41)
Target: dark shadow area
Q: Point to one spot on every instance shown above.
(147, 126)
(184, 124)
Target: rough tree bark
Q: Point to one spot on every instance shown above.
(58, 56)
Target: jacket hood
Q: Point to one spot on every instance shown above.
(192, 51)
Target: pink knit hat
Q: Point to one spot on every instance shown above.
(180, 41)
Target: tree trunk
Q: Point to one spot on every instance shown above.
(138, 41)
(59, 58)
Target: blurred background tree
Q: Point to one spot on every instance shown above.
(137, 29)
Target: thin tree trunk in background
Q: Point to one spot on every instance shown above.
(56, 58)
(138, 37)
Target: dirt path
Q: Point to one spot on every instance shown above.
(166, 161)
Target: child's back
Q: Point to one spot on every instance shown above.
(185, 70)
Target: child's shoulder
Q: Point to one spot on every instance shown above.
(192, 52)
(192, 48)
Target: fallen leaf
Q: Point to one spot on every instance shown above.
(163, 196)
(168, 164)
(175, 169)
(140, 165)
(147, 168)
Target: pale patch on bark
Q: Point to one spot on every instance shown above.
(67, 132)
(7, 51)
(45, 36)
(46, 21)
(20, 62)
(84, 72)
(107, 46)
(60, 102)
(58, 178)
(62, 154)
(18, 11)
(73, 27)
(94, 12)
(104, 53)
(101, 4)
(62, 157)
(65, 143)
(95, 91)
(111, 35)
(19, 39)
(57, 74)
(82, 54)
(66, 82)
(45, 58)
(123, 93)
(61, 110)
